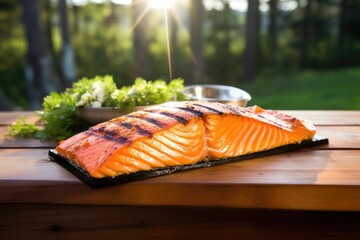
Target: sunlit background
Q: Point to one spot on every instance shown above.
(288, 54)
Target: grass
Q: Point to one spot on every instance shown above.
(321, 90)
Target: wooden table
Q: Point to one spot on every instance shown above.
(312, 193)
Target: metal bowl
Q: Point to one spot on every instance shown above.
(218, 93)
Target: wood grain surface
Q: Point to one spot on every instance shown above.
(126, 222)
(313, 193)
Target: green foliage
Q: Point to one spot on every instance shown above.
(93, 91)
(59, 117)
(143, 93)
(176, 88)
(59, 109)
(21, 128)
(60, 121)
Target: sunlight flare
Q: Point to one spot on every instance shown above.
(167, 6)
(168, 43)
(160, 4)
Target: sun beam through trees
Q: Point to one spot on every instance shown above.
(47, 44)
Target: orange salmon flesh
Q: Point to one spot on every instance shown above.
(180, 133)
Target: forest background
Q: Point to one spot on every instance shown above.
(288, 54)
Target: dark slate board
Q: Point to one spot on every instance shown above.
(108, 181)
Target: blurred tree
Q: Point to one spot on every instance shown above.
(76, 20)
(349, 34)
(196, 40)
(252, 40)
(48, 29)
(113, 17)
(298, 34)
(12, 52)
(4, 102)
(38, 70)
(273, 28)
(273, 34)
(174, 30)
(67, 52)
(173, 23)
(102, 48)
(305, 35)
(314, 27)
(141, 43)
(224, 45)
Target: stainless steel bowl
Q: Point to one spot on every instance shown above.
(218, 93)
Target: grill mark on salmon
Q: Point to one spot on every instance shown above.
(177, 118)
(179, 134)
(137, 128)
(103, 131)
(150, 119)
(143, 132)
(126, 125)
(124, 128)
(121, 140)
(175, 115)
(155, 122)
(209, 108)
(191, 110)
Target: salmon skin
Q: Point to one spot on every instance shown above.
(178, 134)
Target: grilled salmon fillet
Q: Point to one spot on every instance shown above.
(180, 133)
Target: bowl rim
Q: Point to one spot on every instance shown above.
(244, 95)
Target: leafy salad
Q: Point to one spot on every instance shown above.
(58, 119)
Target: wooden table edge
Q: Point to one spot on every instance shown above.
(244, 196)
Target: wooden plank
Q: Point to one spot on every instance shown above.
(311, 180)
(300, 167)
(7, 117)
(321, 178)
(23, 221)
(324, 117)
(244, 196)
(7, 141)
(30, 164)
(340, 137)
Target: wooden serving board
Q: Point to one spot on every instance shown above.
(108, 181)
